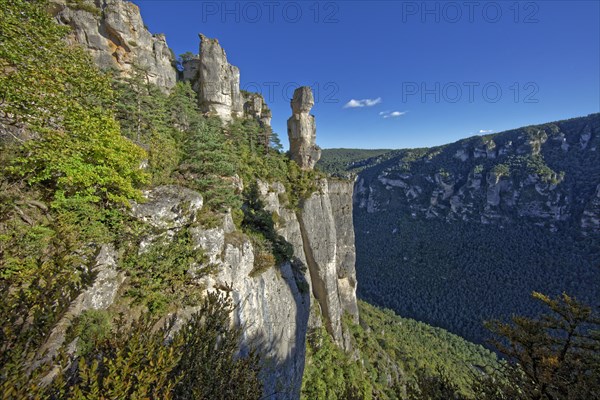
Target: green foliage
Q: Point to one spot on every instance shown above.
(147, 117)
(443, 273)
(78, 151)
(554, 356)
(501, 170)
(263, 254)
(330, 373)
(91, 327)
(45, 257)
(413, 353)
(139, 361)
(434, 387)
(187, 56)
(208, 165)
(91, 162)
(392, 358)
(210, 365)
(84, 6)
(163, 275)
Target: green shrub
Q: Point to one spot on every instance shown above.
(139, 361)
(78, 151)
(164, 274)
(91, 327)
(84, 6)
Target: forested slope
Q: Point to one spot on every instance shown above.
(457, 234)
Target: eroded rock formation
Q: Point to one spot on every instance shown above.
(277, 307)
(115, 35)
(218, 82)
(218, 85)
(302, 130)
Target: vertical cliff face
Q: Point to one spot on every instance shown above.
(340, 196)
(326, 228)
(277, 307)
(115, 35)
(328, 238)
(274, 308)
(322, 235)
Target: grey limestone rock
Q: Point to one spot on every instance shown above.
(302, 130)
(218, 82)
(113, 32)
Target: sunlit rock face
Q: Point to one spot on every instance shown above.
(322, 235)
(113, 32)
(218, 82)
(539, 174)
(218, 85)
(302, 130)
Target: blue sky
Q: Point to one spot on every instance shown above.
(420, 73)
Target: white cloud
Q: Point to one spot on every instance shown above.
(393, 114)
(362, 103)
(372, 102)
(486, 131)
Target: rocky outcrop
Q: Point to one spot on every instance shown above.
(302, 130)
(168, 207)
(322, 235)
(271, 308)
(590, 220)
(256, 107)
(100, 295)
(218, 82)
(218, 85)
(541, 174)
(274, 307)
(113, 32)
(327, 252)
(340, 196)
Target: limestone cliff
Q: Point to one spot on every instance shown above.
(275, 308)
(115, 35)
(219, 81)
(218, 85)
(542, 174)
(113, 32)
(323, 238)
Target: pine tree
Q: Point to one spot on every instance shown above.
(554, 357)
